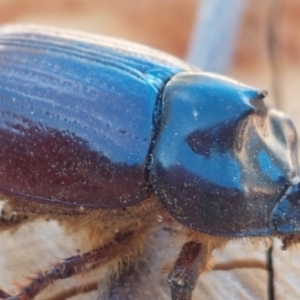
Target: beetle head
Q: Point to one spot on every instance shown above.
(222, 159)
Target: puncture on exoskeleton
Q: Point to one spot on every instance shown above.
(110, 137)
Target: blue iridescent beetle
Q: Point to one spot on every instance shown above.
(90, 123)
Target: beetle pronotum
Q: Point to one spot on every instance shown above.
(109, 138)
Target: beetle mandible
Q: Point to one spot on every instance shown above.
(111, 137)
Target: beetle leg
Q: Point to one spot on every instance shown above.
(183, 277)
(67, 268)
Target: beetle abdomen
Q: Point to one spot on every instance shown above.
(76, 117)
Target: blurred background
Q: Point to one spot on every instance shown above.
(259, 45)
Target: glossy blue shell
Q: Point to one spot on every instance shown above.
(77, 116)
(99, 123)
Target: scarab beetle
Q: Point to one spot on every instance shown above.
(109, 138)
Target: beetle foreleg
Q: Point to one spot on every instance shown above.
(183, 277)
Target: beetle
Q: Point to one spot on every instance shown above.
(111, 139)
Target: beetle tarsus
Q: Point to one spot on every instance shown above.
(183, 277)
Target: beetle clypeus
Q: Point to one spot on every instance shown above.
(108, 139)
